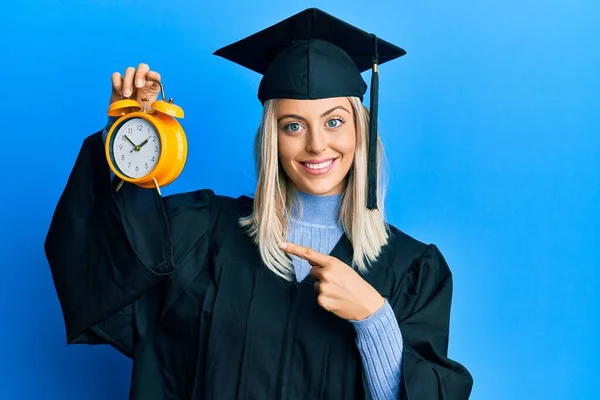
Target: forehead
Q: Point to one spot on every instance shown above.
(311, 107)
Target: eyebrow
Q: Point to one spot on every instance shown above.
(326, 113)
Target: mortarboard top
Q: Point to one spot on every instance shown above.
(314, 55)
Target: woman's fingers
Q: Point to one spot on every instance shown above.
(140, 75)
(117, 83)
(141, 80)
(128, 81)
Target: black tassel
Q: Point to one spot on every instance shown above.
(373, 133)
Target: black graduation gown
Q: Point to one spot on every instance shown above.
(175, 284)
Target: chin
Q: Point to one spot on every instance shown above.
(321, 189)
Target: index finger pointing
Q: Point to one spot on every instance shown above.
(306, 253)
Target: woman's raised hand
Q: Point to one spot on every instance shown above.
(141, 80)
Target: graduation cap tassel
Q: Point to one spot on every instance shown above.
(373, 133)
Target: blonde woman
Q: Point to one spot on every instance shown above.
(302, 292)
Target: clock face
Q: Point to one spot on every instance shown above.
(135, 147)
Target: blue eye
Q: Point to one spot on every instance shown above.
(294, 127)
(334, 123)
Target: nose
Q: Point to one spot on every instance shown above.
(316, 141)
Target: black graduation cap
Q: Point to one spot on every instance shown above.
(314, 55)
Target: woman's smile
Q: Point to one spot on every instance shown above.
(318, 167)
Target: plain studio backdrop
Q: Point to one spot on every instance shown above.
(491, 126)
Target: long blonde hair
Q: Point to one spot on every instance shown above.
(275, 197)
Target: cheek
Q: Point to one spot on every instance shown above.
(347, 145)
(286, 149)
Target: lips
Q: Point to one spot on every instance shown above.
(318, 167)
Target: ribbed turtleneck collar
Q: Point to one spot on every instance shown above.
(318, 210)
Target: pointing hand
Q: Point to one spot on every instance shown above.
(342, 290)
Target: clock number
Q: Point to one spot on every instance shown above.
(154, 138)
(123, 138)
(139, 128)
(122, 157)
(120, 147)
(129, 164)
(137, 168)
(146, 165)
(129, 130)
(155, 149)
(152, 159)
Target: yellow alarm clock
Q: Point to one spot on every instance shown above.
(146, 146)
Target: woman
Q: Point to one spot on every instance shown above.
(303, 292)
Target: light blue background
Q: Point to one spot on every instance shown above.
(491, 124)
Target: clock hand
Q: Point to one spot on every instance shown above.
(144, 142)
(139, 146)
(129, 140)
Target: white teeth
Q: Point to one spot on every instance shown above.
(320, 165)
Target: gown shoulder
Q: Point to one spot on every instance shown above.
(420, 294)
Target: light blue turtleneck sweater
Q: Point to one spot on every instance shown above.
(378, 337)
